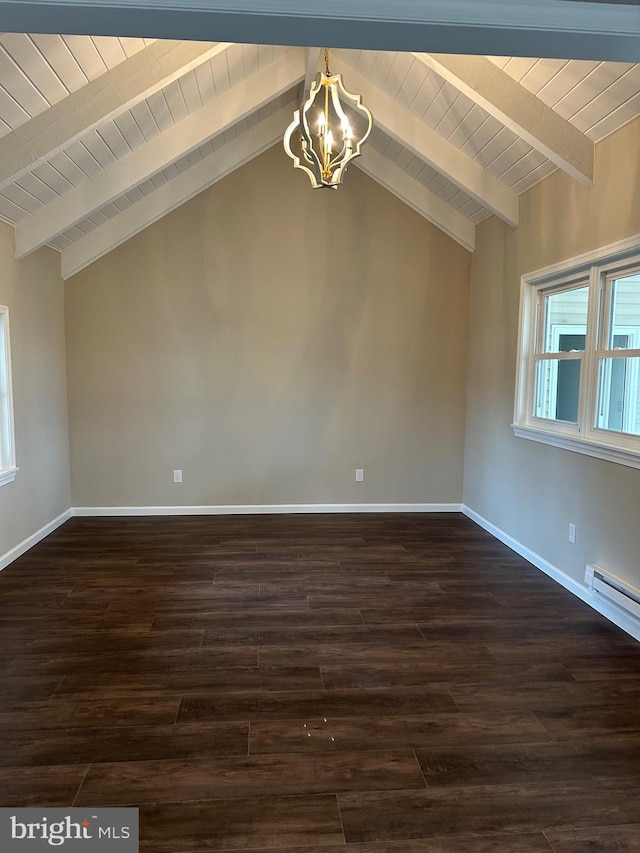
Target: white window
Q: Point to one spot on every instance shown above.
(7, 444)
(578, 383)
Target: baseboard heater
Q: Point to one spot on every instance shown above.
(611, 587)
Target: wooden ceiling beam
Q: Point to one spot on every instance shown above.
(100, 100)
(517, 109)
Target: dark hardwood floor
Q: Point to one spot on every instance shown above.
(316, 684)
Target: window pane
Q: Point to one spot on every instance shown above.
(624, 319)
(565, 320)
(619, 395)
(557, 389)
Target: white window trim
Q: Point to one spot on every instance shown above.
(9, 471)
(583, 437)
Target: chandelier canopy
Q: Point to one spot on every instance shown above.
(332, 124)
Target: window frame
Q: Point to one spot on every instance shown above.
(8, 469)
(598, 269)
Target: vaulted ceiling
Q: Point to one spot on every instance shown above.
(100, 136)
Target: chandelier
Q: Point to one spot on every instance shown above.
(332, 125)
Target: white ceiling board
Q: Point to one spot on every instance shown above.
(52, 178)
(482, 136)
(404, 158)
(567, 80)
(83, 159)
(381, 71)
(122, 203)
(479, 217)
(133, 45)
(534, 177)
(585, 92)
(113, 139)
(175, 101)
(130, 130)
(541, 74)
(510, 157)
(67, 168)
(523, 166)
(412, 83)
(365, 61)
(430, 99)
(190, 92)
(23, 51)
(516, 66)
(10, 211)
(221, 77)
(98, 148)
(12, 115)
(86, 55)
(110, 49)
(249, 59)
(496, 146)
(19, 86)
(22, 198)
(464, 134)
(35, 187)
(144, 119)
(57, 54)
(455, 118)
(235, 66)
(204, 79)
(605, 84)
(98, 218)
(614, 120)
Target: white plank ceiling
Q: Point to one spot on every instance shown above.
(437, 145)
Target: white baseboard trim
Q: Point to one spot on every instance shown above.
(32, 540)
(261, 509)
(614, 614)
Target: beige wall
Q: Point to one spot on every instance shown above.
(33, 290)
(268, 339)
(532, 491)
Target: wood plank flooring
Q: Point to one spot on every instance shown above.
(316, 684)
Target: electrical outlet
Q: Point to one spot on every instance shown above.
(359, 475)
(572, 534)
(177, 475)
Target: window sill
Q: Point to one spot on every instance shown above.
(579, 445)
(8, 476)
